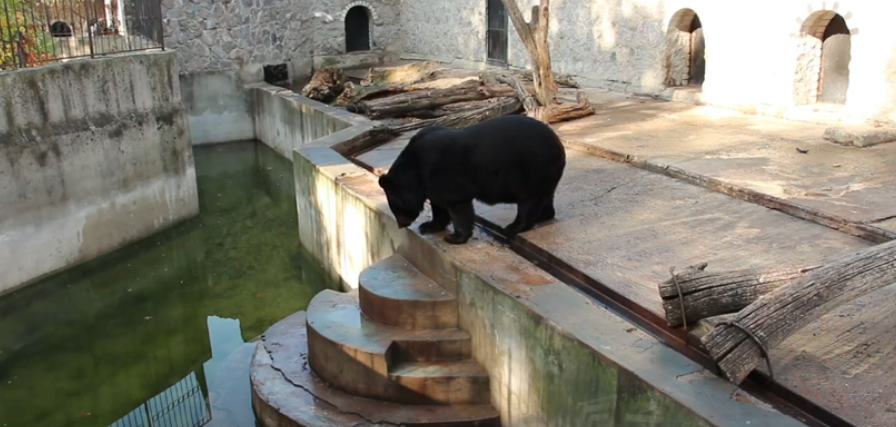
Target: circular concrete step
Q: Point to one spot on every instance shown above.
(285, 393)
(451, 383)
(394, 292)
(357, 355)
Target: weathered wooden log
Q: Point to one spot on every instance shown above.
(491, 76)
(777, 315)
(380, 134)
(405, 103)
(404, 74)
(457, 107)
(501, 107)
(356, 93)
(552, 113)
(568, 111)
(708, 294)
(325, 85)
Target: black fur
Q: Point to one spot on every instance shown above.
(508, 159)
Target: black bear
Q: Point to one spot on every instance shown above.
(508, 159)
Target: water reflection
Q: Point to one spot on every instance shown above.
(166, 322)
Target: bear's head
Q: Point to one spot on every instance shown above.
(405, 195)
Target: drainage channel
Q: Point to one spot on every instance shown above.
(757, 383)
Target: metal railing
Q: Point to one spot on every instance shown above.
(181, 405)
(38, 32)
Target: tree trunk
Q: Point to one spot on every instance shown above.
(406, 103)
(325, 85)
(777, 315)
(457, 107)
(357, 93)
(380, 134)
(401, 75)
(552, 113)
(535, 37)
(500, 107)
(564, 80)
(712, 294)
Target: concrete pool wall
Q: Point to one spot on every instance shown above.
(95, 154)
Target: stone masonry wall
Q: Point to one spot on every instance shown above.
(234, 34)
(228, 34)
(622, 45)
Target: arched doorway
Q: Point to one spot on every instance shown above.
(685, 50)
(357, 29)
(827, 45)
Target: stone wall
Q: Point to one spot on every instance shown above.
(94, 154)
(230, 34)
(753, 54)
(248, 34)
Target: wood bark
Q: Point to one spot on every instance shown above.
(405, 103)
(708, 294)
(552, 113)
(457, 107)
(777, 315)
(356, 93)
(500, 107)
(325, 85)
(380, 134)
(562, 80)
(535, 37)
(401, 75)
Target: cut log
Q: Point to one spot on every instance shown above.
(380, 134)
(457, 107)
(406, 103)
(325, 85)
(500, 107)
(777, 315)
(401, 75)
(552, 113)
(708, 294)
(563, 80)
(356, 93)
(568, 111)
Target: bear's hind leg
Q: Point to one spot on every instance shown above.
(440, 220)
(462, 216)
(547, 212)
(526, 213)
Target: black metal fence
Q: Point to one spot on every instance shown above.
(37, 32)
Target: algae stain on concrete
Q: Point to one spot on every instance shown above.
(90, 345)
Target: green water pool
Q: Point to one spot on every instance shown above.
(160, 333)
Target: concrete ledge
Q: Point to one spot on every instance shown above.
(285, 120)
(553, 356)
(859, 136)
(864, 231)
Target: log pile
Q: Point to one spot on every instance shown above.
(425, 93)
(751, 311)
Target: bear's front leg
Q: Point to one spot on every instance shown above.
(462, 215)
(440, 220)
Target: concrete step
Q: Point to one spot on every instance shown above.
(359, 356)
(450, 383)
(287, 394)
(394, 292)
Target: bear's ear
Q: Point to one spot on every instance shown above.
(385, 181)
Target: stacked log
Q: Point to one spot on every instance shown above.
(425, 93)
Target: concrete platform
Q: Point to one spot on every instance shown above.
(286, 393)
(624, 227)
(777, 163)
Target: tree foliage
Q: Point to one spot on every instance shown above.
(24, 35)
